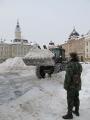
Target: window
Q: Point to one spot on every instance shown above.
(87, 43)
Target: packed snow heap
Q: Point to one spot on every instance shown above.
(12, 64)
(38, 56)
(24, 97)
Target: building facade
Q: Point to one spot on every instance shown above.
(17, 48)
(87, 46)
(78, 44)
(5, 51)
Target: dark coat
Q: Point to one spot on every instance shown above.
(72, 67)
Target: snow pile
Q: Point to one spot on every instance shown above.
(37, 56)
(39, 53)
(46, 99)
(12, 64)
(86, 81)
(42, 102)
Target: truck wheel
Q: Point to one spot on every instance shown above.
(40, 72)
(51, 70)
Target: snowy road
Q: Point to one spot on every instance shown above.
(16, 83)
(24, 97)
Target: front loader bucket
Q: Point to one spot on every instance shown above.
(39, 57)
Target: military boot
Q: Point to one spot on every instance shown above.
(67, 116)
(76, 113)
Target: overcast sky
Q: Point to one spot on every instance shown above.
(44, 20)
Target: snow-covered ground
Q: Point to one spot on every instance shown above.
(24, 97)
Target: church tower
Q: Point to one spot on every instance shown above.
(18, 31)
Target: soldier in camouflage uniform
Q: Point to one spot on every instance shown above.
(73, 67)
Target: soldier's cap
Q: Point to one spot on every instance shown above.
(73, 55)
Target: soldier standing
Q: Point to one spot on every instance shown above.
(72, 85)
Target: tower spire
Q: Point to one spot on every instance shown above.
(17, 21)
(18, 31)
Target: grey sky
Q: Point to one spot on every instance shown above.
(44, 20)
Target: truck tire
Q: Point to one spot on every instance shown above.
(40, 72)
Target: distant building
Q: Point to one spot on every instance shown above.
(5, 51)
(79, 44)
(18, 48)
(87, 46)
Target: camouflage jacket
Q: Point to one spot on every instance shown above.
(72, 67)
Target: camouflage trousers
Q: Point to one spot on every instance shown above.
(73, 100)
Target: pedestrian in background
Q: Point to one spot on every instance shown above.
(72, 85)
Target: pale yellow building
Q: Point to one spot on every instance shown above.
(75, 43)
(87, 46)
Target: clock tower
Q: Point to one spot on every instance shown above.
(18, 31)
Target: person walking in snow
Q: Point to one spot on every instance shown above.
(72, 84)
